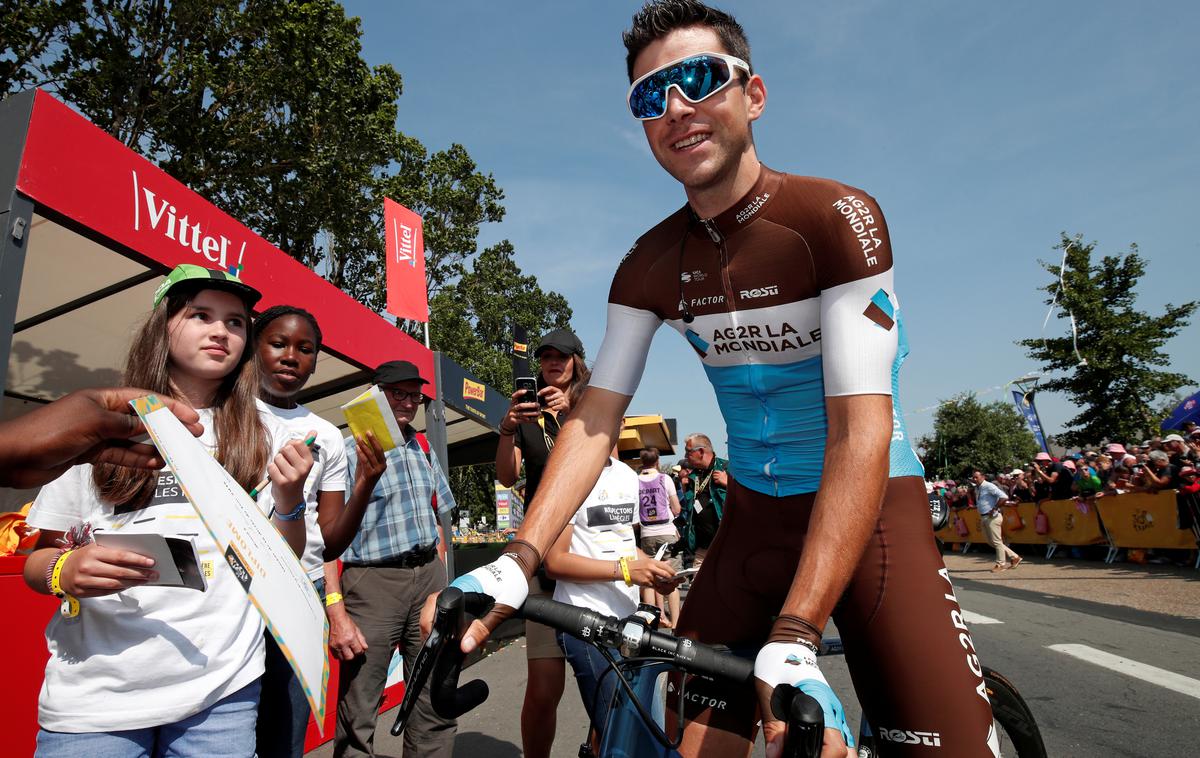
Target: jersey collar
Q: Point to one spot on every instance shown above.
(748, 207)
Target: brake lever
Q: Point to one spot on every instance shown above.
(441, 656)
(804, 718)
(448, 699)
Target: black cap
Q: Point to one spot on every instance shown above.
(562, 340)
(394, 372)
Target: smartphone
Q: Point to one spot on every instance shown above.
(528, 385)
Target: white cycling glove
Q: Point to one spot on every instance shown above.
(796, 664)
(503, 580)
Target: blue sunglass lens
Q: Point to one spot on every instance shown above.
(697, 78)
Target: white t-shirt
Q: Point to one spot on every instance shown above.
(603, 529)
(146, 656)
(328, 475)
(660, 530)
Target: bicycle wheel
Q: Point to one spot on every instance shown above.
(1015, 726)
(1016, 730)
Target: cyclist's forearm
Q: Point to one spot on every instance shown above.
(579, 454)
(846, 508)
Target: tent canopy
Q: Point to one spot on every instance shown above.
(93, 227)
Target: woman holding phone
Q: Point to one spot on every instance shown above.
(527, 435)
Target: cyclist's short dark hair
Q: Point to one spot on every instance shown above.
(279, 311)
(649, 457)
(658, 18)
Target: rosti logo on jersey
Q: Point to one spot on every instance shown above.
(745, 214)
(766, 338)
(862, 223)
(771, 290)
(911, 737)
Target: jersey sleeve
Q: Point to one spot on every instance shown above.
(60, 504)
(859, 309)
(622, 358)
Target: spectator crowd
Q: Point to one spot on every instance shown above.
(1160, 463)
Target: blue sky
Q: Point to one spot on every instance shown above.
(983, 130)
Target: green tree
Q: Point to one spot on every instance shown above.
(472, 322)
(268, 109)
(969, 434)
(1116, 383)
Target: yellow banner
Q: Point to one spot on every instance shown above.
(1072, 523)
(1142, 519)
(970, 517)
(1026, 535)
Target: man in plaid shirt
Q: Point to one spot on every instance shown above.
(389, 569)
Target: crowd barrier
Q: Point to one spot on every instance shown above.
(1135, 520)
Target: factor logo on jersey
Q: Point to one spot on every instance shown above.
(880, 311)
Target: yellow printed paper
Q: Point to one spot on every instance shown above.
(370, 412)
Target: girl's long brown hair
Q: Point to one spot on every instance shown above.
(243, 447)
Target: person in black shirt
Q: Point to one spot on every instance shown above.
(527, 435)
(1050, 479)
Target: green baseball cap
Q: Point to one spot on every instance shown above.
(208, 278)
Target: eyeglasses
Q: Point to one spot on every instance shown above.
(696, 77)
(399, 395)
(690, 450)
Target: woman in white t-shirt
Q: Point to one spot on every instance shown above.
(148, 670)
(598, 566)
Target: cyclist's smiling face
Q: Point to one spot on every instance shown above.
(701, 144)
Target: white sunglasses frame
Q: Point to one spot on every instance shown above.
(730, 60)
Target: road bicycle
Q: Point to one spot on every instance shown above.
(648, 657)
(635, 723)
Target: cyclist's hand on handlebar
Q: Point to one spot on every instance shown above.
(503, 580)
(794, 664)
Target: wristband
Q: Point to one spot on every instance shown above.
(333, 598)
(504, 433)
(525, 554)
(625, 572)
(70, 604)
(788, 628)
(295, 515)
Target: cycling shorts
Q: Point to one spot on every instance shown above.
(910, 654)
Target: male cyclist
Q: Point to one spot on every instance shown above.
(783, 286)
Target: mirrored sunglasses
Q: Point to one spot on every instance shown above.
(696, 77)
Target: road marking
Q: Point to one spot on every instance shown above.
(975, 618)
(1144, 671)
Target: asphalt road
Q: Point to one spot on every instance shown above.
(1102, 680)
